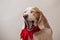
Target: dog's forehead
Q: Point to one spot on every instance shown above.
(32, 8)
(28, 9)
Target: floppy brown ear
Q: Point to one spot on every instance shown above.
(43, 21)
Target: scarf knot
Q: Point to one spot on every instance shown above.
(26, 33)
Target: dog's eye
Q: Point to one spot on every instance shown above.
(32, 11)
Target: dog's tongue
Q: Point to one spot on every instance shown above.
(29, 24)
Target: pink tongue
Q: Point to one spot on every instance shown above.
(30, 23)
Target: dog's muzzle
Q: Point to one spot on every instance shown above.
(29, 23)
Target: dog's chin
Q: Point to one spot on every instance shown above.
(29, 24)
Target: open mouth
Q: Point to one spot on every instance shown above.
(29, 24)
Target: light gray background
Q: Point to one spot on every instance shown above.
(11, 16)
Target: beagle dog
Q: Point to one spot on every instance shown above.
(34, 16)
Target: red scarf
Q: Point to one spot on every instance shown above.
(25, 33)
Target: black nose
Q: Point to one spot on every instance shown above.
(25, 16)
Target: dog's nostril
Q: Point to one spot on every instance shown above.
(25, 16)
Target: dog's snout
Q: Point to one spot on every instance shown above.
(25, 16)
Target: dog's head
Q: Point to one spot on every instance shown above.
(31, 16)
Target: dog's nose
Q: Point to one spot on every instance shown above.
(25, 16)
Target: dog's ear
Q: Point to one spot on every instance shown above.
(37, 12)
(43, 21)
